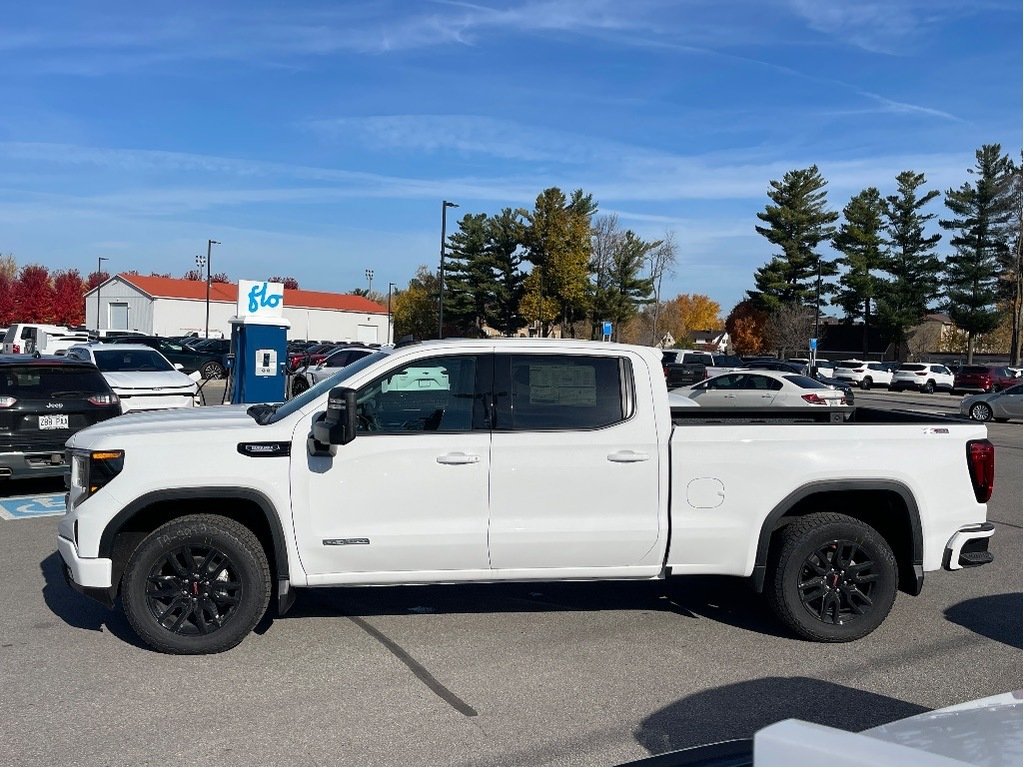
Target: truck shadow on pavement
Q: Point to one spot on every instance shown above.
(997, 617)
(79, 611)
(722, 599)
(736, 711)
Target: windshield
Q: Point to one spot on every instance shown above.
(125, 360)
(311, 394)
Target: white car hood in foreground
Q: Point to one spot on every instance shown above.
(218, 419)
(148, 380)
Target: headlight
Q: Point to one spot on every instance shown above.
(91, 471)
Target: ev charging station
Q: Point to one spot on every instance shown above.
(259, 339)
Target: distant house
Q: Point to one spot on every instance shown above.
(716, 340)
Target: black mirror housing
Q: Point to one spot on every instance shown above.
(338, 427)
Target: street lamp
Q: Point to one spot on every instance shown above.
(817, 315)
(390, 339)
(445, 205)
(209, 248)
(369, 281)
(99, 270)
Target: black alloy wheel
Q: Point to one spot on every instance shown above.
(981, 412)
(865, 383)
(929, 388)
(212, 370)
(831, 577)
(197, 584)
(836, 581)
(193, 590)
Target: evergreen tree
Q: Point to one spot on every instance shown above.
(626, 289)
(982, 217)
(504, 244)
(911, 266)
(860, 241)
(797, 222)
(469, 276)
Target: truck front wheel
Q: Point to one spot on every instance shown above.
(198, 584)
(833, 578)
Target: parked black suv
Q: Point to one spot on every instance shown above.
(43, 401)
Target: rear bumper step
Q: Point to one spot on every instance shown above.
(968, 548)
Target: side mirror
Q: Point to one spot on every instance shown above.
(338, 427)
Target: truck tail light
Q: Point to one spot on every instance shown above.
(981, 461)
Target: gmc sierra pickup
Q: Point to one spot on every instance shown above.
(518, 460)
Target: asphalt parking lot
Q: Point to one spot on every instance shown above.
(517, 674)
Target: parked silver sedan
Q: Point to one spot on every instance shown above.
(1000, 406)
(762, 388)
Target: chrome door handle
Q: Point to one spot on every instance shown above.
(458, 458)
(627, 457)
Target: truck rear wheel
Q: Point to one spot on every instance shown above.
(198, 584)
(833, 578)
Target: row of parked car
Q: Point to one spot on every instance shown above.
(44, 400)
(701, 378)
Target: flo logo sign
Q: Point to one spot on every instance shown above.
(259, 298)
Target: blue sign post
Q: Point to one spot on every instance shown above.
(606, 330)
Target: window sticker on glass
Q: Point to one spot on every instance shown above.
(563, 385)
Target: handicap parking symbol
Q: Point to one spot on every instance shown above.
(44, 505)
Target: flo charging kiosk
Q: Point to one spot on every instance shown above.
(259, 339)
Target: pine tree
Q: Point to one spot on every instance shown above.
(627, 289)
(504, 244)
(860, 241)
(911, 266)
(982, 216)
(797, 222)
(469, 276)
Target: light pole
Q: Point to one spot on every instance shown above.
(209, 249)
(369, 282)
(817, 315)
(99, 270)
(445, 205)
(390, 339)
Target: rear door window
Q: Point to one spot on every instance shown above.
(561, 392)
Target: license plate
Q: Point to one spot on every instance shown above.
(55, 421)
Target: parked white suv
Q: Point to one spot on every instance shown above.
(864, 374)
(924, 377)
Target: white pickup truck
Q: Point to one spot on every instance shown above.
(518, 460)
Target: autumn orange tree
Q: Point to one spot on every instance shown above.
(691, 312)
(747, 325)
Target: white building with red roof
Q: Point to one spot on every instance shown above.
(164, 306)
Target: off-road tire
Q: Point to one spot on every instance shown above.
(795, 556)
(144, 591)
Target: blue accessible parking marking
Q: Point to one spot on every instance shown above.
(43, 505)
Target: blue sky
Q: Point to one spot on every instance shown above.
(318, 139)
